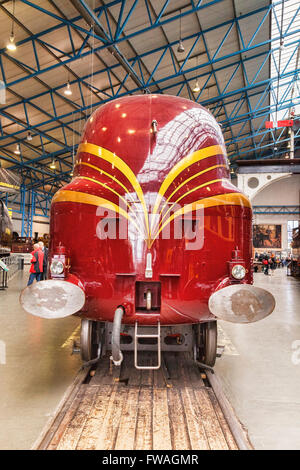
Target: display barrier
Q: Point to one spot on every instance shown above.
(8, 268)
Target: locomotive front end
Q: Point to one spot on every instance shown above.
(151, 232)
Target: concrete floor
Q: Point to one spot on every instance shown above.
(263, 380)
(258, 371)
(35, 370)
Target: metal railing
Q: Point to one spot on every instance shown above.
(14, 263)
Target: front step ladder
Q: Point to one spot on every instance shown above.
(136, 337)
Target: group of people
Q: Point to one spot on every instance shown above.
(39, 260)
(271, 262)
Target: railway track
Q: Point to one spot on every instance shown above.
(177, 407)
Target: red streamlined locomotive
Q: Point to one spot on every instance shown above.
(150, 239)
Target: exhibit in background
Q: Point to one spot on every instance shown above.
(9, 181)
(266, 236)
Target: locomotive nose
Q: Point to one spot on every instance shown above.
(52, 299)
(241, 303)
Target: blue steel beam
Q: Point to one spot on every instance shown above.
(190, 69)
(241, 118)
(39, 172)
(193, 69)
(63, 22)
(207, 102)
(252, 115)
(31, 204)
(217, 104)
(291, 210)
(91, 18)
(282, 144)
(95, 19)
(263, 112)
(40, 158)
(170, 45)
(211, 60)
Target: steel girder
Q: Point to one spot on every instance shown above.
(131, 76)
(290, 210)
(183, 69)
(28, 204)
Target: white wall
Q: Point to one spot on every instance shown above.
(40, 225)
(282, 192)
(285, 191)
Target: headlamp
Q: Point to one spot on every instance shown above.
(57, 267)
(238, 272)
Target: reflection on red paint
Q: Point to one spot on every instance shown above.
(109, 269)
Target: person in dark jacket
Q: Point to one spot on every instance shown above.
(265, 263)
(45, 262)
(36, 268)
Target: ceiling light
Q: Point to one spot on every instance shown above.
(68, 90)
(281, 44)
(29, 136)
(17, 151)
(180, 47)
(53, 165)
(11, 44)
(196, 88)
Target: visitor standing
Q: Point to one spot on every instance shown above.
(45, 261)
(36, 268)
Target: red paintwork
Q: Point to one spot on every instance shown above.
(109, 269)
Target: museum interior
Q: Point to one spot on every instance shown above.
(149, 225)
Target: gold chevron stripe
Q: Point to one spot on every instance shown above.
(186, 194)
(80, 197)
(104, 186)
(181, 166)
(107, 174)
(123, 167)
(113, 178)
(199, 187)
(236, 199)
(189, 179)
(229, 199)
(112, 190)
(84, 198)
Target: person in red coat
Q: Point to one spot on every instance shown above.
(45, 263)
(36, 268)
